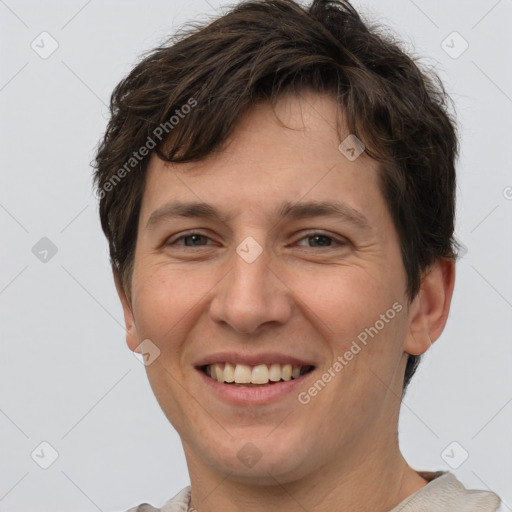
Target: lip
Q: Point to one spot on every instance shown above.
(251, 359)
(253, 395)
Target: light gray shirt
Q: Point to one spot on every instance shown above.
(443, 493)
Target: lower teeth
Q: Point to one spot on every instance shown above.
(255, 385)
(251, 384)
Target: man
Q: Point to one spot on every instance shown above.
(278, 193)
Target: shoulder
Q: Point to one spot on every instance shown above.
(444, 493)
(177, 504)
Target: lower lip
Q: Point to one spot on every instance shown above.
(253, 395)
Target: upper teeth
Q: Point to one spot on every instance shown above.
(259, 374)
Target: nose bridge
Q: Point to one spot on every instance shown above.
(250, 272)
(250, 294)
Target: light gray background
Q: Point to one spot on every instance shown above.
(66, 375)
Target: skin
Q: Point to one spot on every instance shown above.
(299, 297)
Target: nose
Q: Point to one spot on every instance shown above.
(250, 296)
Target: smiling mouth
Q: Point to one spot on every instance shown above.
(244, 375)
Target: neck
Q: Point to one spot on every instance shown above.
(370, 481)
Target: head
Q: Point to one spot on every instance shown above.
(246, 114)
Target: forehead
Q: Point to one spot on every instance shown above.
(275, 156)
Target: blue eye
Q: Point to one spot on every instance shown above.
(194, 236)
(319, 237)
(193, 239)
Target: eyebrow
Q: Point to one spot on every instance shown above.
(287, 210)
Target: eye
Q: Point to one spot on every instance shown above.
(193, 239)
(322, 240)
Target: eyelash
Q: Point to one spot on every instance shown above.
(312, 234)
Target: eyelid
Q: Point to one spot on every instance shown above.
(173, 239)
(340, 240)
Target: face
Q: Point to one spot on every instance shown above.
(265, 280)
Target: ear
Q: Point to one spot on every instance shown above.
(132, 336)
(429, 310)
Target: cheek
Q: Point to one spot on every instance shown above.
(360, 321)
(344, 300)
(163, 303)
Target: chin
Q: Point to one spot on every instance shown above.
(260, 460)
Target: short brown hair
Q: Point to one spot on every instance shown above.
(256, 52)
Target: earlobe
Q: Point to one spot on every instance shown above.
(429, 309)
(132, 336)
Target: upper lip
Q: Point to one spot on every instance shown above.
(252, 359)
